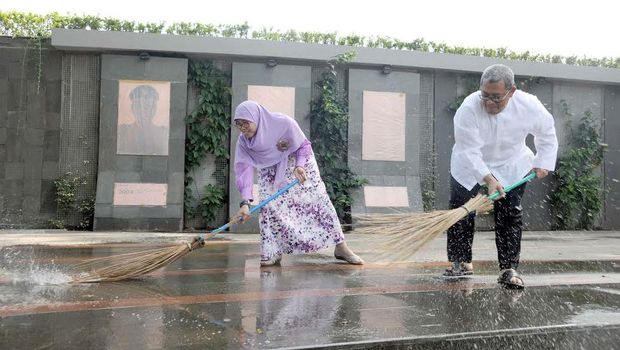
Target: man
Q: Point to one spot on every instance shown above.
(490, 128)
(143, 137)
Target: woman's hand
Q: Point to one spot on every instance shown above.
(242, 215)
(300, 174)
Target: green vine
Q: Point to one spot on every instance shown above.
(578, 198)
(207, 132)
(66, 198)
(28, 25)
(470, 83)
(212, 200)
(329, 118)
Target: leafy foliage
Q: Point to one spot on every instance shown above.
(207, 132)
(212, 200)
(578, 198)
(329, 118)
(19, 24)
(66, 197)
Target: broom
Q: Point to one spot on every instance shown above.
(131, 265)
(406, 233)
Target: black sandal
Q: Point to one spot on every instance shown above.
(505, 279)
(458, 269)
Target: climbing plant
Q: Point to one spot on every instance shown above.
(66, 197)
(29, 25)
(329, 118)
(207, 132)
(578, 198)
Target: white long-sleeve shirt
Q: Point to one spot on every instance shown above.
(495, 144)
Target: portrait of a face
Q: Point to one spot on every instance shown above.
(143, 117)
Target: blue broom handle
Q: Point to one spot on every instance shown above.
(528, 178)
(260, 205)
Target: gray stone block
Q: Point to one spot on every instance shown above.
(164, 225)
(103, 224)
(52, 121)
(34, 137)
(53, 91)
(152, 212)
(176, 159)
(128, 163)
(15, 119)
(13, 187)
(32, 187)
(105, 187)
(126, 212)
(13, 171)
(48, 197)
(174, 211)
(35, 112)
(3, 136)
(103, 210)
(157, 164)
(176, 188)
(52, 61)
(50, 171)
(13, 146)
(128, 177)
(33, 164)
(154, 176)
(31, 207)
(51, 142)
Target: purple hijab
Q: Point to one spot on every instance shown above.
(262, 149)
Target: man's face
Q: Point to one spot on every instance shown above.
(495, 96)
(144, 108)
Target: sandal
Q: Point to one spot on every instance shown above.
(351, 259)
(273, 261)
(459, 269)
(505, 279)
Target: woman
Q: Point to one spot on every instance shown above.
(303, 219)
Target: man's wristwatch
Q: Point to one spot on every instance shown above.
(244, 202)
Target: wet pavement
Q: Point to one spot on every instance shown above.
(218, 297)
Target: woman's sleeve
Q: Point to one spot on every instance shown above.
(303, 153)
(244, 179)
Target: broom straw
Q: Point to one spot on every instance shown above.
(131, 265)
(406, 233)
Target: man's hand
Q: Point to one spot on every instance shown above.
(494, 186)
(300, 174)
(540, 173)
(242, 215)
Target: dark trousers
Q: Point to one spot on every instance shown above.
(508, 226)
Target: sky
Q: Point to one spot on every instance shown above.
(584, 28)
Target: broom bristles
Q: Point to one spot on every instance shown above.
(131, 265)
(406, 233)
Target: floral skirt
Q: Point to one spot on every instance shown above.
(302, 220)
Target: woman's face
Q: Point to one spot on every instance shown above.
(247, 128)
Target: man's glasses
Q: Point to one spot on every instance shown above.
(242, 124)
(495, 97)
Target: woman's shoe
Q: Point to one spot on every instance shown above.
(271, 262)
(351, 259)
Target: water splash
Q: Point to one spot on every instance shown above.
(18, 265)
